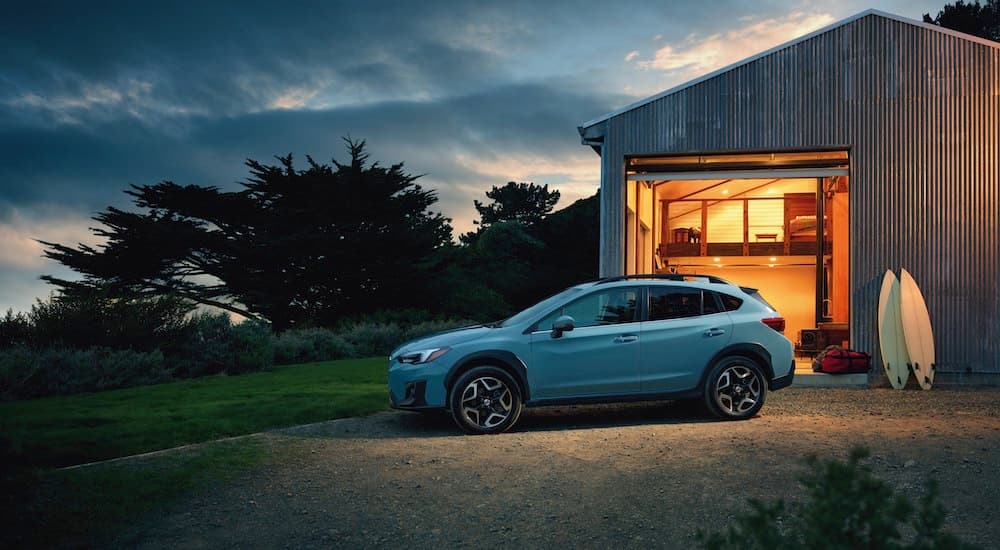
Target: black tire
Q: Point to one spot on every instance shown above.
(485, 400)
(735, 388)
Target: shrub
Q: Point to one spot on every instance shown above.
(847, 507)
(27, 373)
(98, 320)
(309, 345)
(204, 348)
(199, 345)
(252, 347)
(14, 329)
(371, 339)
(211, 344)
(431, 327)
(401, 316)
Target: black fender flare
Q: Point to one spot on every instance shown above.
(494, 357)
(753, 350)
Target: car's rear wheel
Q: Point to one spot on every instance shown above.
(735, 389)
(485, 400)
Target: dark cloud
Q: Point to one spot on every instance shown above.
(91, 165)
(230, 57)
(97, 96)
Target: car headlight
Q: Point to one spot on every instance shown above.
(422, 356)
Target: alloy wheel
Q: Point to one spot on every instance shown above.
(487, 402)
(737, 389)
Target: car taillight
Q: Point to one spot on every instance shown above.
(777, 323)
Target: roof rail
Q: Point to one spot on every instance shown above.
(666, 276)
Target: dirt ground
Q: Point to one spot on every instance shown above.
(597, 476)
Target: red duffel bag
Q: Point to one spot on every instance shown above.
(837, 360)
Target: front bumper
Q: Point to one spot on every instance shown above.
(413, 398)
(417, 387)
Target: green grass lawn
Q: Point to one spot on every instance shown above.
(96, 506)
(61, 431)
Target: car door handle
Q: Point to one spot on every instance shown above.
(625, 339)
(714, 332)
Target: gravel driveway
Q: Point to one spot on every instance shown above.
(596, 476)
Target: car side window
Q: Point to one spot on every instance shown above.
(670, 302)
(607, 307)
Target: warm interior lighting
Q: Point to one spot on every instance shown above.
(715, 259)
(773, 259)
(725, 191)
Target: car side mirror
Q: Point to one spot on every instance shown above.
(562, 324)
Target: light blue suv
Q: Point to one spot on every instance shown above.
(645, 337)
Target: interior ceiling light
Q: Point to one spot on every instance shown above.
(725, 191)
(715, 259)
(773, 259)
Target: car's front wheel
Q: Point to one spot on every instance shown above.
(485, 400)
(735, 389)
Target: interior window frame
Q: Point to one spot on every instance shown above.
(718, 302)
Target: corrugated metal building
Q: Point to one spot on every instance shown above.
(906, 112)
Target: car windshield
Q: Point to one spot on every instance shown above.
(540, 307)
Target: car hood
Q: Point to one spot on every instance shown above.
(442, 339)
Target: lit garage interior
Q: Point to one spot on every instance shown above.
(777, 222)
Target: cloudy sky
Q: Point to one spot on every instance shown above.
(98, 95)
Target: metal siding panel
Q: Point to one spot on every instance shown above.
(919, 110)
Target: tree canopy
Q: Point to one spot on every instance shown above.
(972, 18)
(330, 243)
(292, 246)
(524, 203)
(517, 202)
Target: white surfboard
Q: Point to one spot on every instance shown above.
(917, 329)
(891, 339)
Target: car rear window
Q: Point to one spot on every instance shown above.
(731, 303)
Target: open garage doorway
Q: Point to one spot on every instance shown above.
(777, 222)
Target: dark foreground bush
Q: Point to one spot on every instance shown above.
(26, 373)
(847, 507)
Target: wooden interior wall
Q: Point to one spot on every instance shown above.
(797, 204)
(840, 284)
